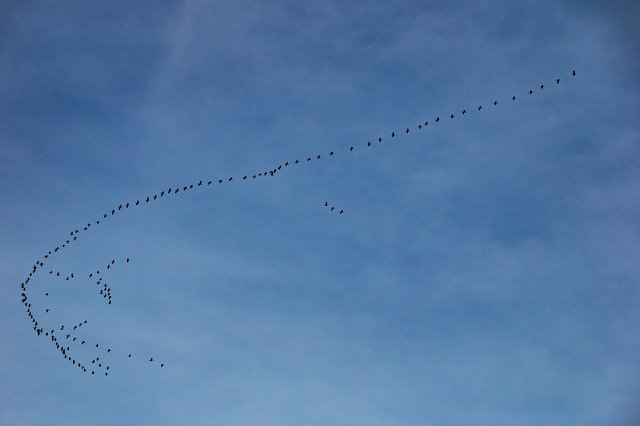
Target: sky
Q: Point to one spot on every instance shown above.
(484, 270)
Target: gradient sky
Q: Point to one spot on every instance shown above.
(485, 270)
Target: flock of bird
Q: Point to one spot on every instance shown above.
(66, 340)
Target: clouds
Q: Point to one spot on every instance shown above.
(483, 272)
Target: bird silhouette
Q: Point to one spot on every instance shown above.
(407, 131)
(557, 81)
(573, 73)
(393, 134)
(480, 107)
(451, 116)
(437, 119)
(513, 98)
(495, 102)
(531, 92)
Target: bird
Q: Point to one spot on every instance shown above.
(47, 310)
(513, 98)
(230, 179)
(332, 208)
(147, 200)
(419, 126)
(495, 102)
(220, 181)
(137, 202)
(557, 81)
(542, 86)
(155, 196)
(464, 111)
(451, 116)
(351, 149)
(161, 365)
(341, 211)
(108, 350)
(151, 359)
(407, 131)
(531, 92)
(200, 183)
(480, 107)
(309, 159)
(437, 119)
(326, 203)
(127, 260)
(129, 356)
(368, 143)
(317, 157)
(574, 73)
(244, 178)
(296, 161)
(331, 153)
(393, 134)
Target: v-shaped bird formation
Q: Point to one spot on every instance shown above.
(68, 338)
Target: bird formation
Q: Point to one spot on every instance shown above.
(333, 208)
(65, 343)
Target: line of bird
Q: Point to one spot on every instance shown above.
(332, 208)
(105, 291)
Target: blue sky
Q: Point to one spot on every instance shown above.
(485, 269)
